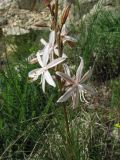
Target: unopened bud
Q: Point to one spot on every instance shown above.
(65, 14)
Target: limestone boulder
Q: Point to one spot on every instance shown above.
(5, 4)
(36, 5)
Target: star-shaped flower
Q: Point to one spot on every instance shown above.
(32, 59)
(67, 39)
(45, 75)
(50, 47)
(76, 87)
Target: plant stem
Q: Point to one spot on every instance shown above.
(70, 151)
(60, 45)
(66, 121)
(56, 18)
(56, 11)
(58, 28)
(60, 48)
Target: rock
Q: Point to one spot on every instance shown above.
(3, 21)
(99, 6)
(14, 31)
(20, 19)
(31, 4)
(26, 4)
(5, 4)
(88, 8)
(85, 6)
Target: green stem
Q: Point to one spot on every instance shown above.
(67, 123)
(69, 144)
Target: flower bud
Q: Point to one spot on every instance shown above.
(65, 14)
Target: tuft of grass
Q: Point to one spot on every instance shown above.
(20, 47)
(115, 92)
(20, 102)
(91, 137)
(98, 43)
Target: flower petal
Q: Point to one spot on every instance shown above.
(40, 52)
(64, 55)
(75, 99)
(56, 51)
(65, 77)
(64, 31)
(81, 88)
(32, 79)
(40, 60)
(43, 42)
(55, 62)
(34, 74)
(46, 54)
(86, 76)
(79, 70)
(66, 69)
(52, 38)
(43, 83)
(69, 39)
(49, 79)
(67, 94)
(32, 59)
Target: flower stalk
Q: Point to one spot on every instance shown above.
(69, 144)
(52, 57)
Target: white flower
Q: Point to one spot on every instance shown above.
(76, 88)
(45, 75)
(32, 59)
(50, 47)
(67, 39)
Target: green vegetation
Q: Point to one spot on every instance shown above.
(32, 124)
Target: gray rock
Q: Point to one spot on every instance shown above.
(3, 21)
(87, 8)
(30, 4)
(15, 30)
(5, 4)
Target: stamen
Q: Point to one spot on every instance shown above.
(84, 97)
(81, 97)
